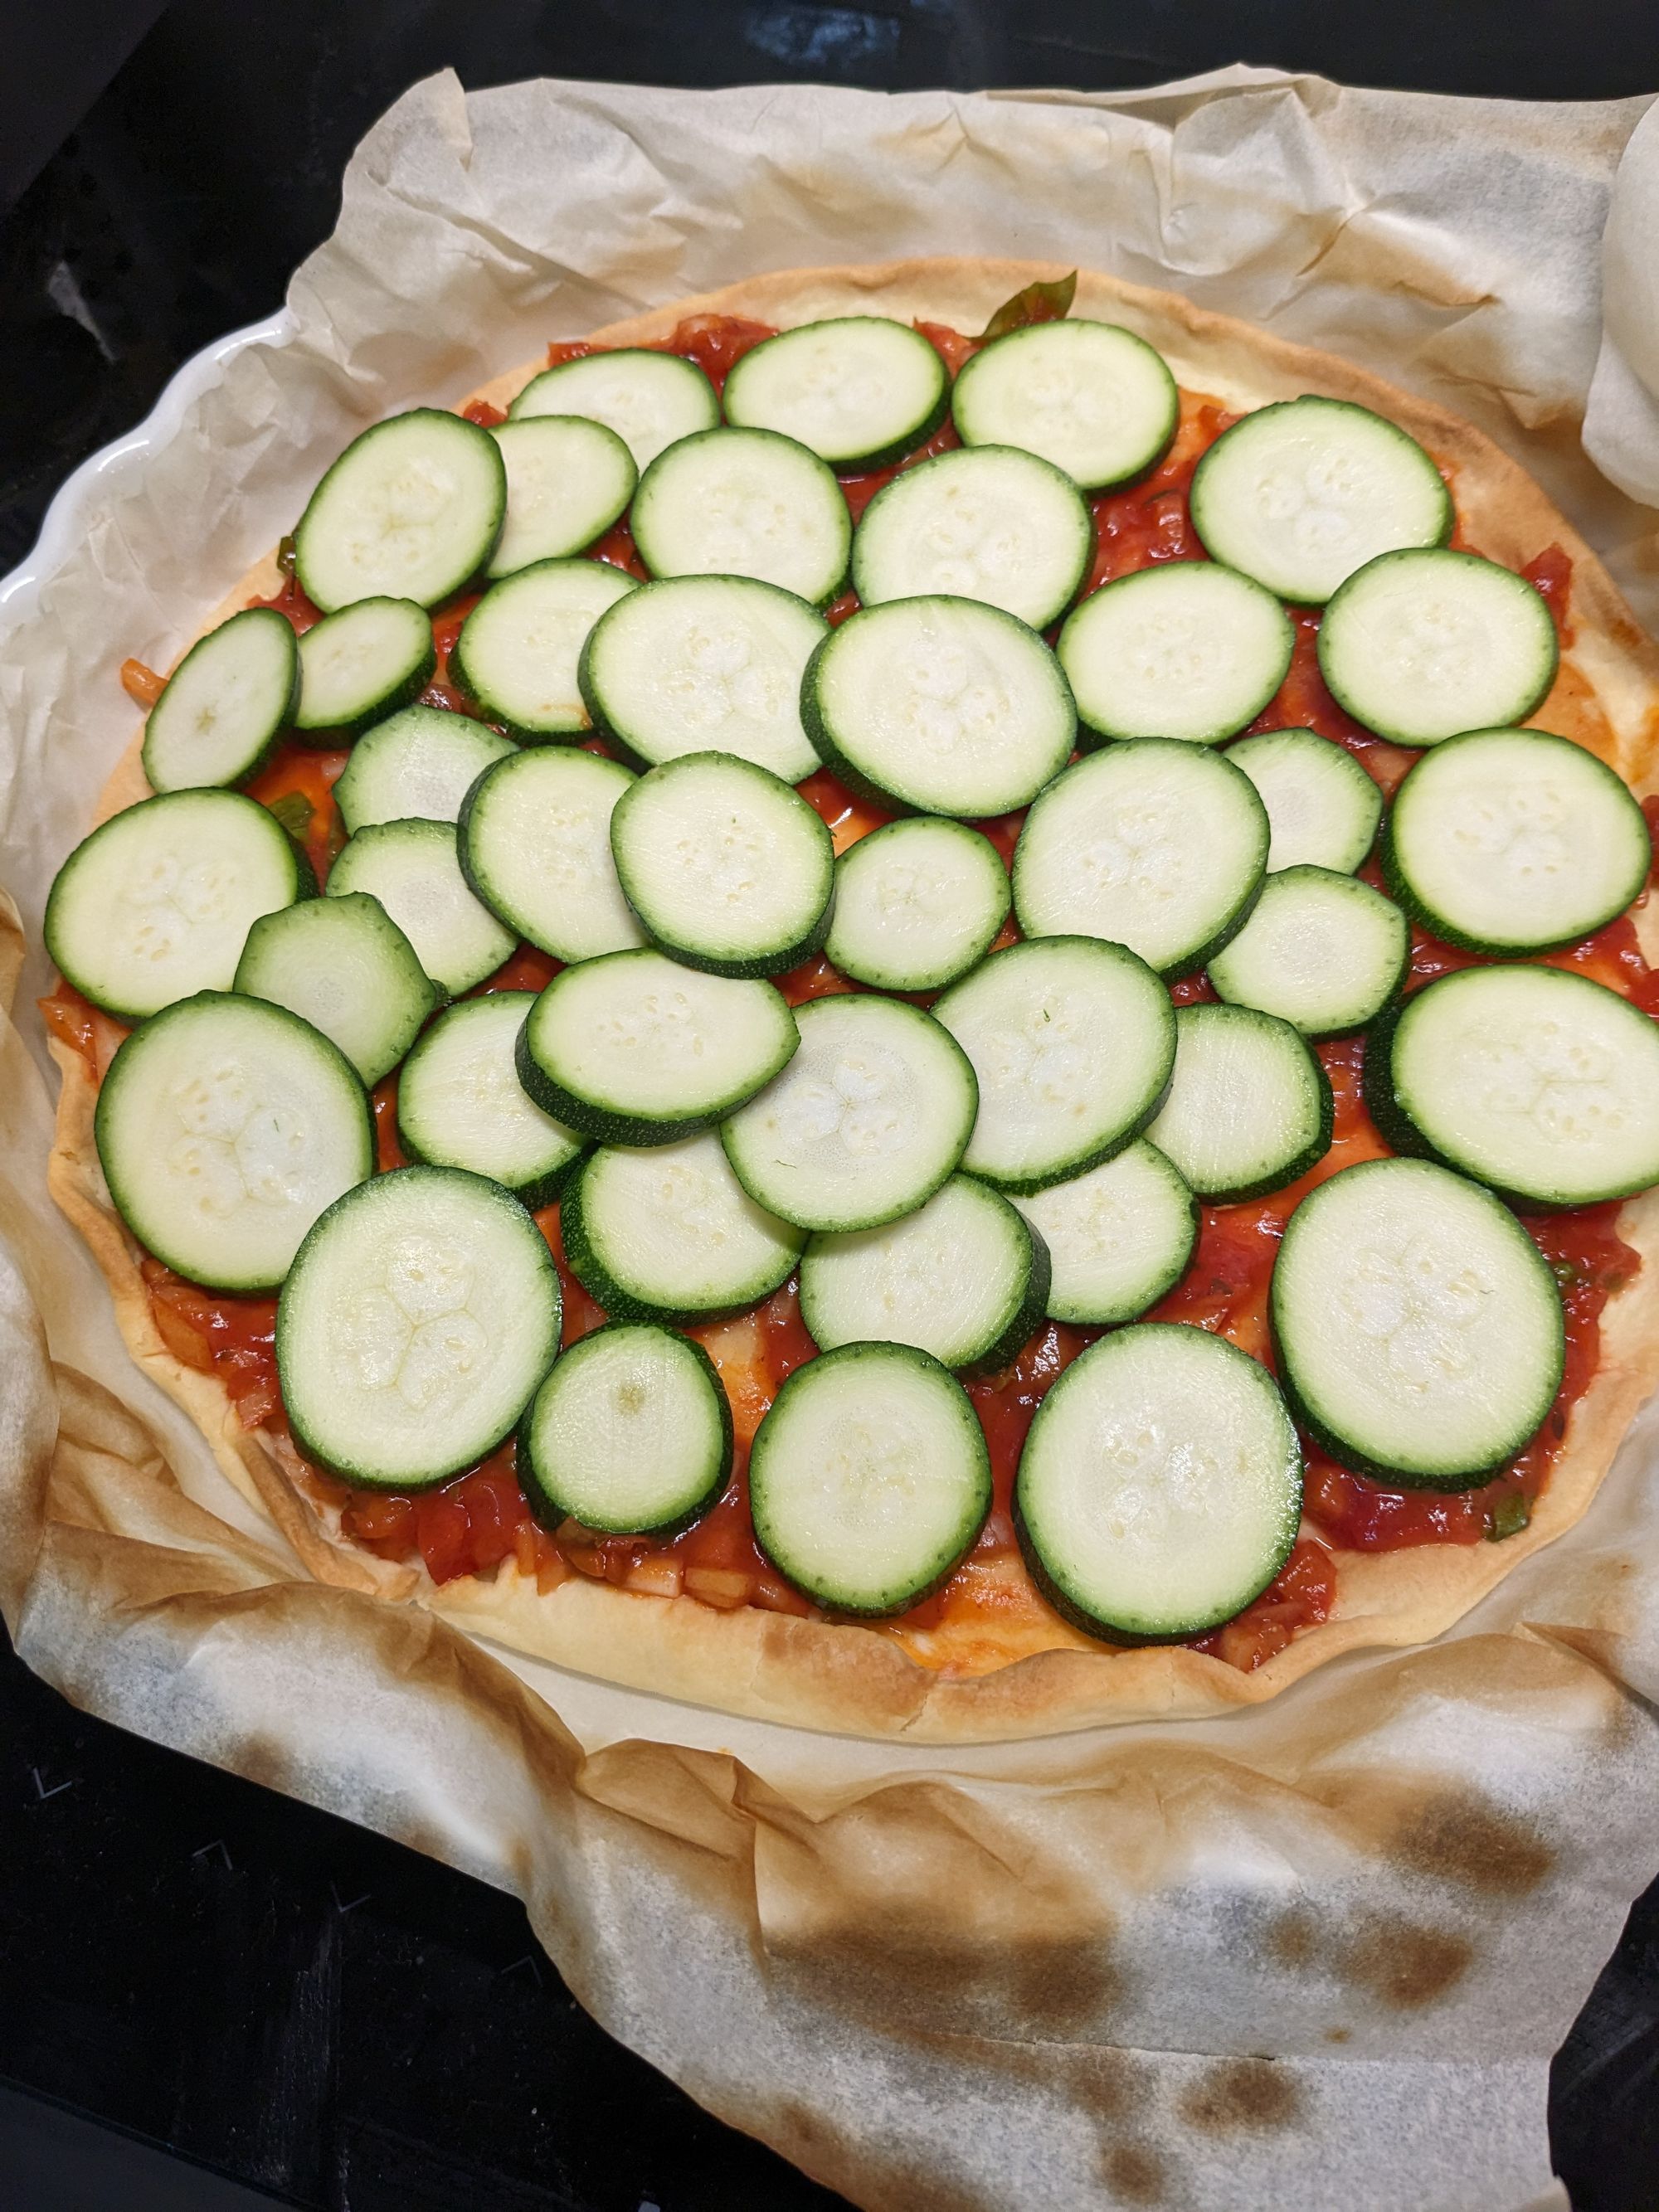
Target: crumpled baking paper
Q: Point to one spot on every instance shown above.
(1321, 1951)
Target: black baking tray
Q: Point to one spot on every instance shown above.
(212, 1997)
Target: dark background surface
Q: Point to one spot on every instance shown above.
(303, 2011)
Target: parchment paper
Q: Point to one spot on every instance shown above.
(1320, 1953)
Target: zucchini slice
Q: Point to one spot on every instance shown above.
(917, 903)
(858, 391)
(963, 1277)
(411, 510)
(1301, 493)
(416, 1322)
(865, 1122)
(671, 1235)
(567, 481)
(1514, 841)
(157, 902)
(460, 1104)
(225, 1126)
(650, 400)
(630, 1434)
(417, 766)
(1250, 1109)
(745, 503)
(728, 869)
(1542, 1084)
(1322, 951)
(940, 706)
(1418, 1327)
(1421, 646)
(1072, 1040)
(1160, 1488)
(535, 846)
(1156, 845)
(411, 867)
(1090, 397)
(705, 664)
(986, 522)
(1188, 650)
(519, 650)
(1323, 809)
(869, 1478)
(634, 1049)
(362, 664)
(343, 965)
(224, 705)
(1120, 1237)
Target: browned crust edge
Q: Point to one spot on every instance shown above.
(851, 1680)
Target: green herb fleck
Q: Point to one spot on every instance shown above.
(1037, 303)
(288, 556)
(292, 811)
(1510, 1516)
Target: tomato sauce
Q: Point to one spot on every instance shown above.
(474, 1523)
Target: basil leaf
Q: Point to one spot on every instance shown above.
(1037, 303)
(292, 811)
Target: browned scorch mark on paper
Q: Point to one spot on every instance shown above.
(1238, 2094)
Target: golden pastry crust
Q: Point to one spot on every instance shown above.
(1038, 1679)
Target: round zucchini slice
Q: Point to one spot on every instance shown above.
(1160, 1488)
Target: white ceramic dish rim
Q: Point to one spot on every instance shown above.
(113, 467)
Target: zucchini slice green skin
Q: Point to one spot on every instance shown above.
(1299, 775)
(1101, 1011)
(1229, 1411)
(1456, 1116)
(460, 1104)
(965, 1277)
(917, 904)
(414, 869)
(417, 765)
(534, 840)
(1146, 1200)
(1187, 651)
(996, 399)
(246, 675)
(517, 655)
(865, 1125)
(693, 514)
(1321, 951)
(360, 664)
(1489, 638)
(885, 353)
(1208, 1039)
(618, 1223)
(428, 560)
(984, 522)
(343, 965)
(560, 1040)
(1484, 896)
(727, 868)
(647, 685)
(1363, 488)
(820, 1453)
(877, 702)
(599, 1377)
(1181, 816)
(649, 399)
(441, 1292)
(225, 1126)
(1396, 1264)
(102, 927)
